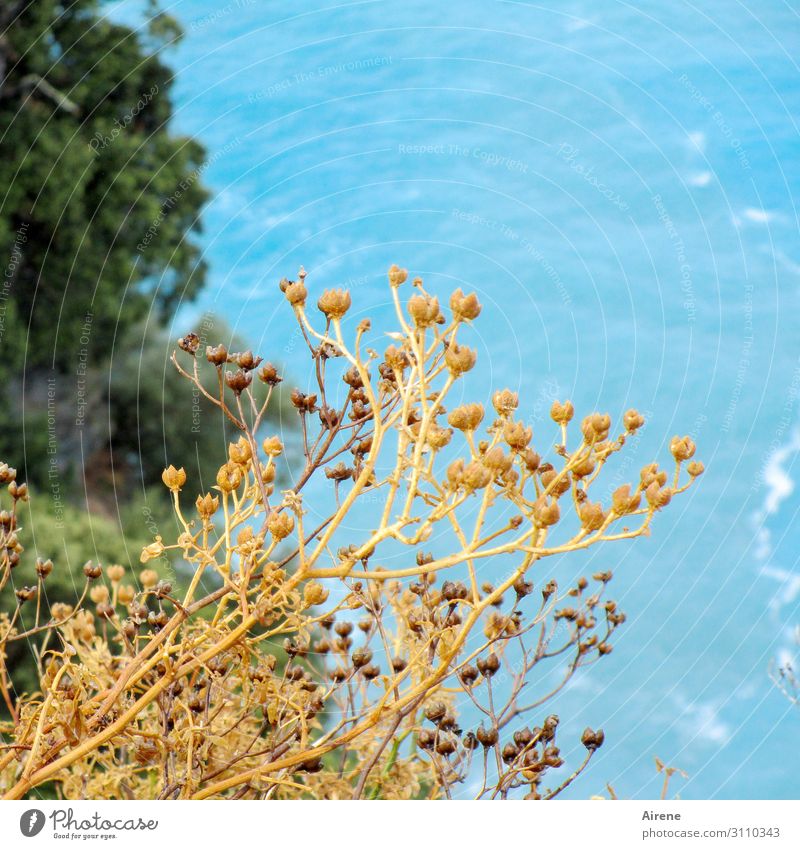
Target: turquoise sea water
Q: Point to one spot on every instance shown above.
(618, 183)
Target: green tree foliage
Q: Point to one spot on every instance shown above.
(99, 197)
(99, 201)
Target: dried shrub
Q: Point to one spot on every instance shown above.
(331, 660)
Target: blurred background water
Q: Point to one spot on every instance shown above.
(617, 183)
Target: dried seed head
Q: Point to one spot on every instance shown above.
(343, 628)
(44, 568)
(562, 413)
(280, 525)
(370, 671)
(658, 497)
(438, 437)
(532, 460)
(650, 474)
(92, 570)
(334, 303)
(229, 476)
(396, 358)
(592, 516)
(247, 360)
(435, 711)
(632, 421)
(595, 427)
(505, 402)
(339, 472)
(695, 469)
(593, 740)
(60, 611)
(338, 674)
(397, 275)
(352, 377)
(497, 461)
(361, 657)
(517, 435)
(460, 359)
(218, 355)
(475, 475)
(24, 594)
(125, 594)
(295, 292)
(273, 447)
(523, 737)
(455, 473)
(238, 380)
(115, 573)
(522, 587)
(426, 738)
(469, 675)
(424, 310)
(174, 478)
(207, 505)
(682, 448)
(622, 502)
(99, 593)
(399, 664)
(163, 589)
(466, 417)
(314, 593)
(584, 467)
(464, 307)
(487, 736)
(546, 513)
(240, 451)
(446, 746)
(488, 665)
(470, 741)
(189, 343)
(269, 374)
(148, 578)
(105, 610)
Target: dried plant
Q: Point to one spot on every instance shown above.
(331, 660)
(785, 676)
